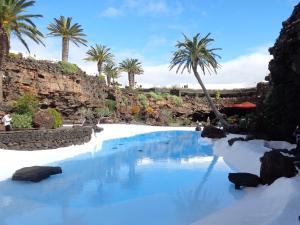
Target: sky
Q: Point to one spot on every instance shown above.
(148, 30)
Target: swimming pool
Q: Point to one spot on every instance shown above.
(160, 178)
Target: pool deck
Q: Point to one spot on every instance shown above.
(268, 205)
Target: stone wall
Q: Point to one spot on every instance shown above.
(282, 108)
(46, 80)
(29, 140)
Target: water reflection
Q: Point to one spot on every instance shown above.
(162, 178)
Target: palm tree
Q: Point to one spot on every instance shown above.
(194, 53)
(100, 54)
(13, 21)
(132, 67)
(111, 72)
(62, 27)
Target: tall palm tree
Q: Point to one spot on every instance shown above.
(14, 21)
(62, 27)
(194, 53)
(112, 72)
(100, 54)
(132, 67)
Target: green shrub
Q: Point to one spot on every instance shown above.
(143, 100)
(111, 104)
(67, 67)
(124, 101)
(155, 96)
(102, 78)
(21, 120)
(177, 100)
(57, 118)
(102, 112)
(25, 104)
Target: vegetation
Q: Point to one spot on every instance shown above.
(100, 113)
(25, 104)
(15, 22)
(112, 73)
(100, 54)
(124, 101)
(135, 109)
(21, 120)
(156, 96)
(132, 67)
(68, 68)
(143, 100)
(110, 104)
(62, 27)
(57, 118)
(194, 53)
(177, 100)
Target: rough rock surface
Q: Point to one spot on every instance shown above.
(43, 119)
(213, 132)
(282, 107)
(244, 179)
(35, 173)
(275, 165)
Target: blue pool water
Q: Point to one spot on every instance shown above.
(161, 178)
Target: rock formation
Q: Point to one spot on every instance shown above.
(35, 173)
(282, 108)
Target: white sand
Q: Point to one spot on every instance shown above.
(269, 205)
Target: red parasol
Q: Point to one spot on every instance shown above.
(244, 105)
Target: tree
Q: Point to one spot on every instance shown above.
(112, 72)
(62, 27)
(100, 54)
(132, 67)
(194, 53)
(13, 21)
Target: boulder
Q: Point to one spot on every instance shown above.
(232, 140)
(244, 180)
(275, 165)
(198, 128)
(213, 132)
(43, 119)
(35, 173)
(97, 129)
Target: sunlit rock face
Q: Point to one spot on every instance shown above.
(282, 109)
(45, 80)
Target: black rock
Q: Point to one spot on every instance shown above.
(198, 128)
(213, 132)
(232, 140)
(275, 165)
(35, 173)
(97, 129)
(244, 180)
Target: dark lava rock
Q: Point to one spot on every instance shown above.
(232, 140)
(213, 132)
(244, 179)
(97, 129)
(275, 165)
(35, 173)
(198, 128)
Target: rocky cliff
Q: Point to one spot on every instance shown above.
(53, 87)
(282, 105)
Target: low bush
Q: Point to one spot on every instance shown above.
(25, 104)
(21, 120)
(57, 118)
(135, 109)
(67, 67)
(110, 104)
(156, 96)
(102, 112)
(149, 110)
(177, 100)
(124, 101)
(143, 100)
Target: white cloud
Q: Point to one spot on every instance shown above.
(244, 71)
(112, 12)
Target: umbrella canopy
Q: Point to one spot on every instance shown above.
(244, 105)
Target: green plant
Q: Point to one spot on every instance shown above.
(67, 67)
(218, 95)
(124, 101)
(57, 118)
(156, 96)
(25, 104)
(21, 120)
(177, 100)
(111, 104)
(102, 112)
(143, 100)
(167, 116)
(101, 78)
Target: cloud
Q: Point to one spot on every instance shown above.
(244, 71)
(112, 12)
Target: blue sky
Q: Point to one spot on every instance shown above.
(148, 29)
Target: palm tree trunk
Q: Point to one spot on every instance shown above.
(210, 102)
(65, 49)
(108, 80)
(4, 50)
(131, 80)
